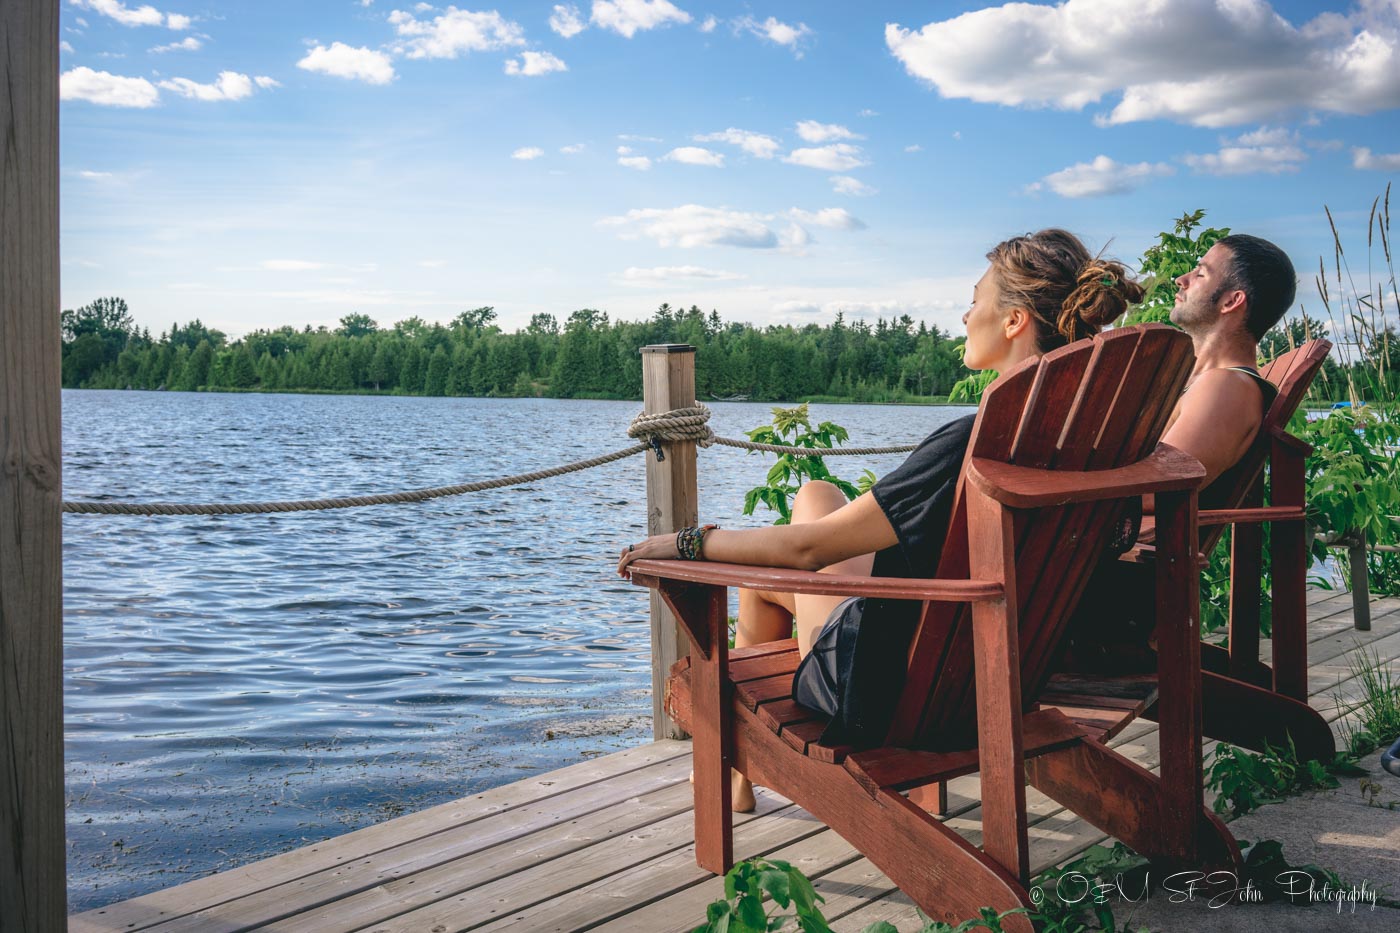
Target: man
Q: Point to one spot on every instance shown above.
(1237, 292)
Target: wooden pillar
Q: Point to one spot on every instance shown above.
(668, 382)
(33, 883)
(1360, 581)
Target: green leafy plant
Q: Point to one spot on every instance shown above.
(1174, 254)
(743, 910)
(1065, 911)
(1246, 780)
(792, 427)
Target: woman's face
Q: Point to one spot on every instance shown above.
(986, 320)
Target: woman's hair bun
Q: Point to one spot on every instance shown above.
(1102, 291)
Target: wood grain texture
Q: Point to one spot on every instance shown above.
(668, 383)
(1165, 470)
(646, 572)
(33, 886)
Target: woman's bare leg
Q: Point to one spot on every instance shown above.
(813, 501)
(769, 616)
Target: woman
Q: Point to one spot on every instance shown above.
(1039, 292)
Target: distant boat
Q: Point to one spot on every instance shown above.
(1336, 405)
(731, 398)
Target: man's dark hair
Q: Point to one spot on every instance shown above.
(1264, 273)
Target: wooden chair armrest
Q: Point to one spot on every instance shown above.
(1259, 516)
(651, 572)
(1166, 469)
(1279, 435)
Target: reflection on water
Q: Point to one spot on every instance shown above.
(236, 686)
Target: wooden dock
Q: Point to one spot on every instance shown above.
(606, 844)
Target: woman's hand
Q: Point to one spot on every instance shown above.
(657, 547)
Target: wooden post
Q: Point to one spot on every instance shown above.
(33, 882)
(1360, 581)
(668, 382)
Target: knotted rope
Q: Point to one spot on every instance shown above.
(680, 424)
(689, 424)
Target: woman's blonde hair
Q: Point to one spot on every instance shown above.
(1069, 293)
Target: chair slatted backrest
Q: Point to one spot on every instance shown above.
(1292, 373)
(1093, 405)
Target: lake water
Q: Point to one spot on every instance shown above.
(237, 686)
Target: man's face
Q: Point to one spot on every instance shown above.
(1200, 292)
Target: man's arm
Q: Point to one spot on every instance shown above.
(1216, 420)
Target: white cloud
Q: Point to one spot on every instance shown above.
(845, 184)
(660, 276)
(795, 239)
(187, 44)
(835, 218)
(1264, 150)
(456, 31)
(628, 137)
(177, 21)
(838, 157)
(814, 132)
(108, 90)
(266, 83)
(531, 64)
(1205, 62)
(628, 17)
(526, 153)
(775, 31)
(914, 148)
(65, 46)
(290, 265)
(343, 61)
(1099, 177)
(867, 112)
(230, 85)
(692, 225)
(694, 155)
(709, 24)
(575, 149)
(127, 16)
(640, 163)
(566, 21)
(1364, 159)
(94, 175)
(755, 144)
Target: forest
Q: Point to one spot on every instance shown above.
(583, 356)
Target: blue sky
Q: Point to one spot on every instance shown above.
(260, 163)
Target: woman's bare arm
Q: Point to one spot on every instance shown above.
(858, 527)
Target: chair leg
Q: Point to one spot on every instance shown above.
(712, 721)
(1289, 553)
(931, 798)
(1246, 559)
(1179, 675)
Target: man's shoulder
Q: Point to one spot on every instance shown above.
(1222, 384)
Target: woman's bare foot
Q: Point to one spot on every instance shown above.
(740, 792)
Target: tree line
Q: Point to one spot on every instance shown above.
(585, 356)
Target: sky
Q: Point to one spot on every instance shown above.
(254, 164)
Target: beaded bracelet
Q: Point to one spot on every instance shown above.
(690, 541)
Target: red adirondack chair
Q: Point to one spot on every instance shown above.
(1058, 449)
(1245, 701)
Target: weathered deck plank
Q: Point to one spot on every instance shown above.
(606, 844)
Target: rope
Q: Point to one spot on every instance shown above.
(340, 502)
(688, 424)
(680, 424)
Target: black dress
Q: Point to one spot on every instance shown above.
(855, 670)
